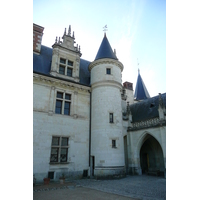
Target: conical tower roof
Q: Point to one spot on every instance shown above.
(105, 50)
(140, 89)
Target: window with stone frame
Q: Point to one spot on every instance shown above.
(64, 68)
(63, 102)
(59, 149)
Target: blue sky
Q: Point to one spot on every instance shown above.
(136, 29)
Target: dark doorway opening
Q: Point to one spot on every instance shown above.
(151, 157)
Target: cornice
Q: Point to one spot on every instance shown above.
(60, 47)
(60, 83)
(106, 61)
(107, 83)
(155, 122)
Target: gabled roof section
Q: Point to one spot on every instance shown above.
(105, 50)
(140, 89)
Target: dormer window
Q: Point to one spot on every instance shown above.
(64, 69)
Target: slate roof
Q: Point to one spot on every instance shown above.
(140, 89)
(105, 50)
(146, 109)
(42, 65)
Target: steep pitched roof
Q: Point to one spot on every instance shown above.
(140, 89)
(42, 65)
(105, 50)
(146, 109)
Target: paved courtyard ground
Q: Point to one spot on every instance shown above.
(132, 187)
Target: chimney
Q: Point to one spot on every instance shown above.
(128, 85)
(37, 37)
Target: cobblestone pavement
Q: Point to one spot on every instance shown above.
(141, 187)
(134, 187)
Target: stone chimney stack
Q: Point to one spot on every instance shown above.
(128, 85)
(37, 37)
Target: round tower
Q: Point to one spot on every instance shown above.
(107, 147)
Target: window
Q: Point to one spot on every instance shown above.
(61, 69)
(70, 63)
(113, 143)
(64, 69)
(63, 101)
(59, 149)
(63, 61)
(51, 175)
(69, 71)
(108, 71)
(111, 117)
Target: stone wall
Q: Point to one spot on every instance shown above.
(47, 124)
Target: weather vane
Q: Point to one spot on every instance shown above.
(138, 66)
(105, 28)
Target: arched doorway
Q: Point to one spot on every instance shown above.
(151, 157)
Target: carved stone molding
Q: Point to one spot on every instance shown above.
(106, 61)
(147, 124)
(60, 83)
(107, 83)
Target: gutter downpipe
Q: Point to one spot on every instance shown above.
(90, 165)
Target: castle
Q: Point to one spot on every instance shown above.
(85, 122)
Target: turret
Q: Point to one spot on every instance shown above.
(107, 149)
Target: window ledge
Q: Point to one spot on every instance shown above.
(58, 163)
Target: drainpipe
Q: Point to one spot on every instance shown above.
(90, 132)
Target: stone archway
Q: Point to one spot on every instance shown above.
(151, 157)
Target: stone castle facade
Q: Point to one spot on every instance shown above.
(85, 122)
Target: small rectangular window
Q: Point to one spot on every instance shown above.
(111, 117)
(59, 95)
(108, 71)
(68, 96)
(70, 63)
(54, 154)
(113, 143)
(61, 70)
(69, 72)
(63, 61)
(67, 108)
(58, 106)
(51, 175)
(55, 141)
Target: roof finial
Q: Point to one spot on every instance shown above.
(105, 29)
(65, 32)
(69, 31)
(73, 34)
